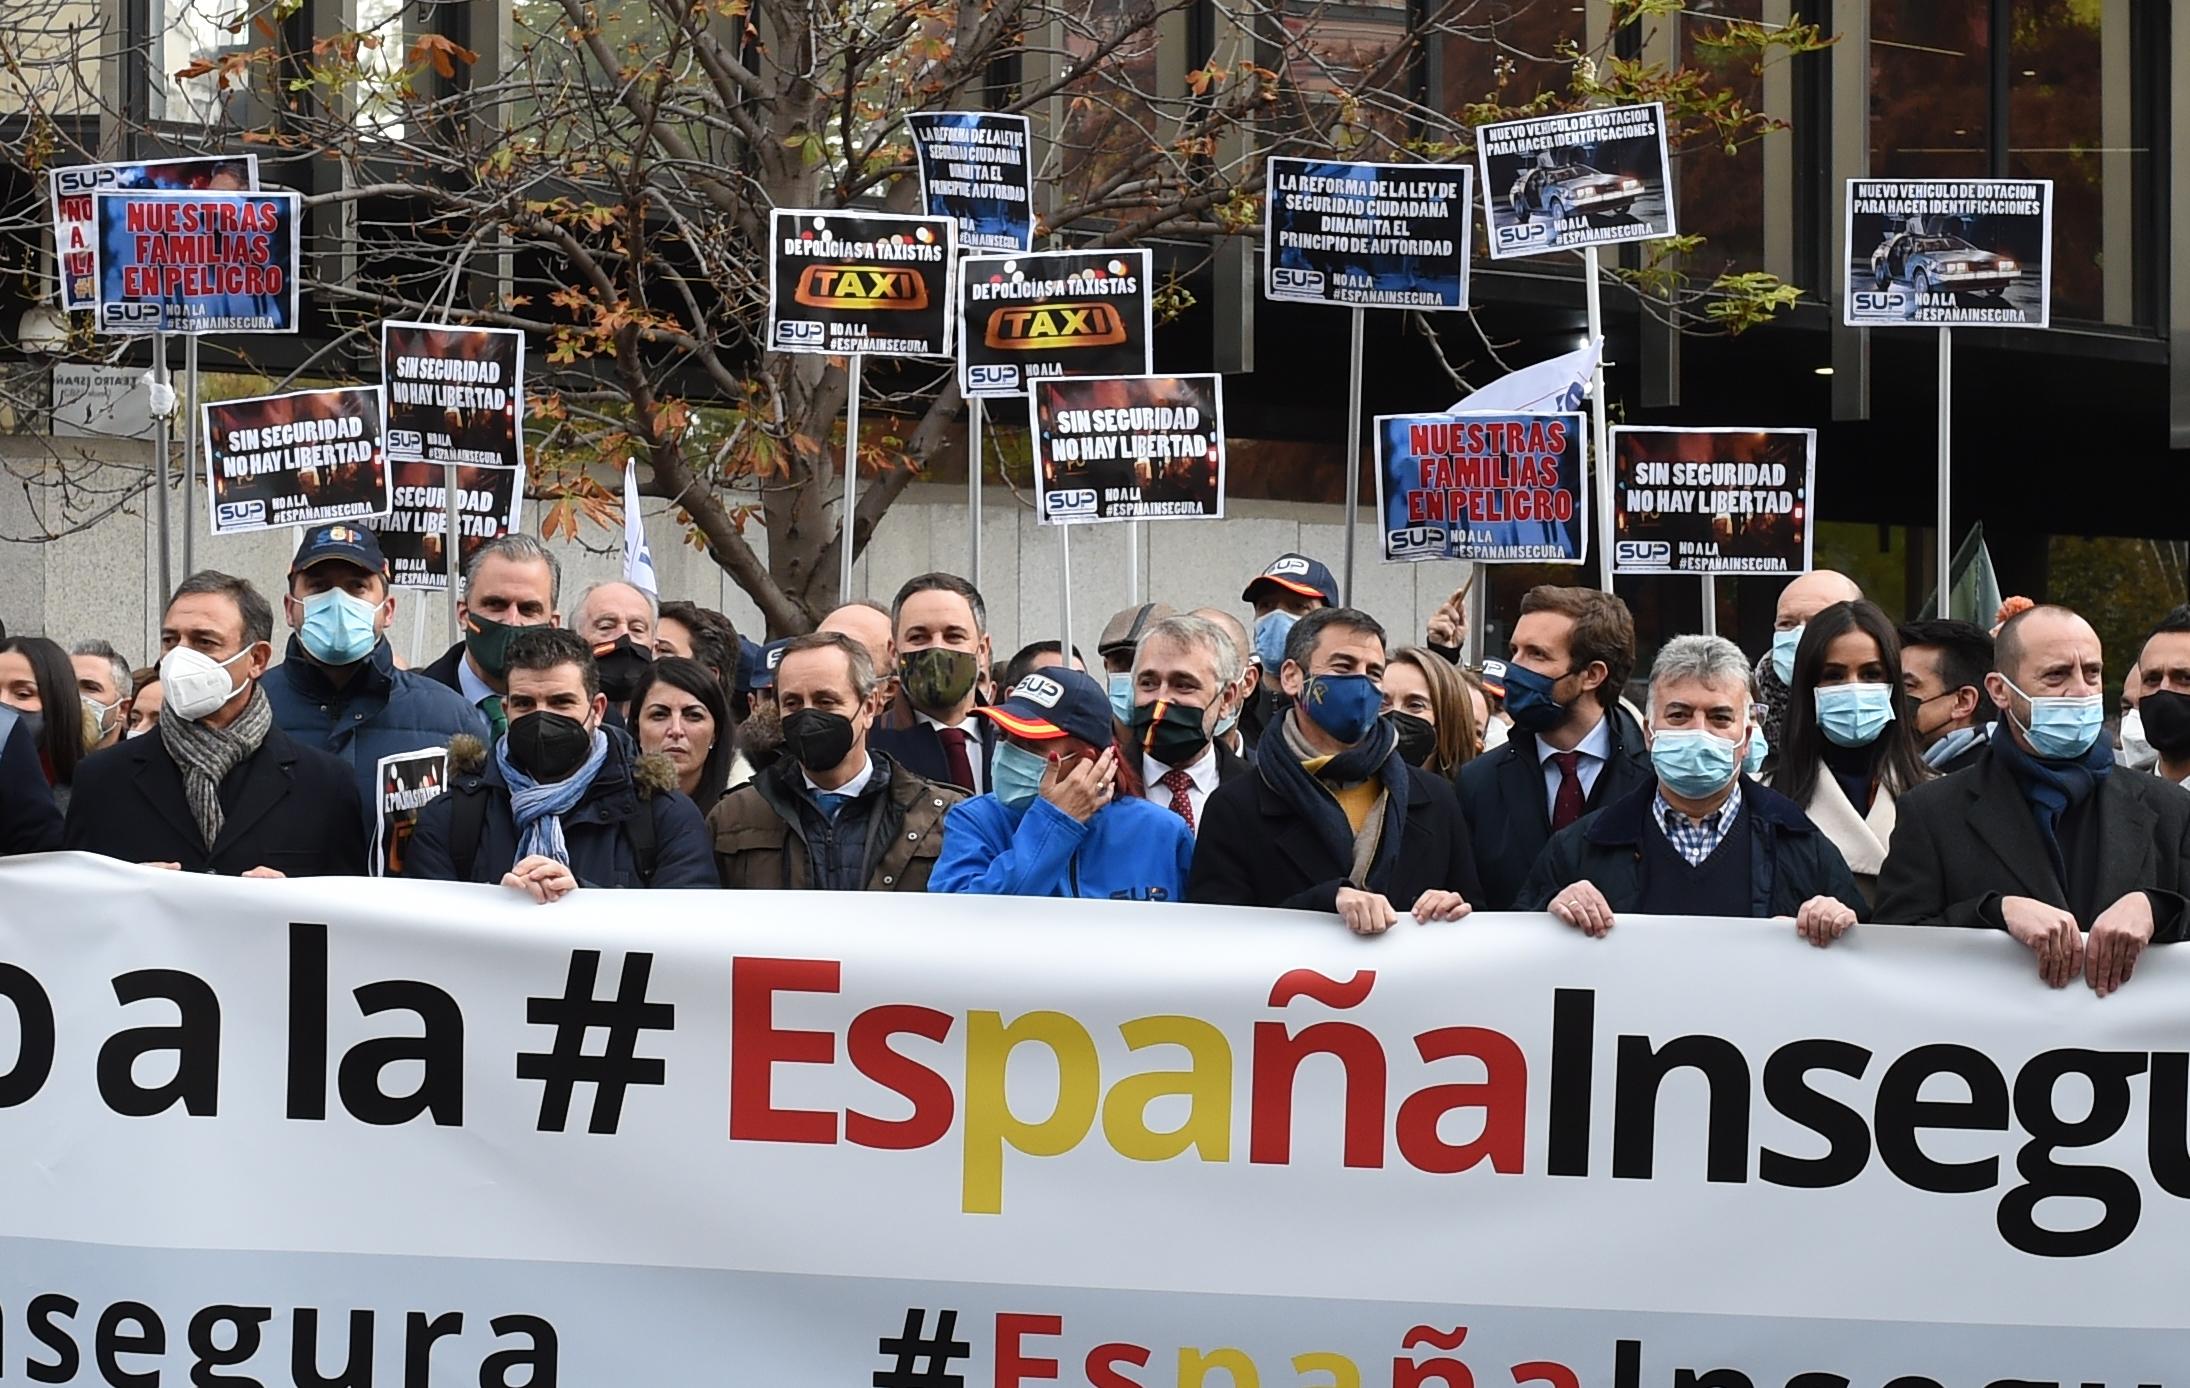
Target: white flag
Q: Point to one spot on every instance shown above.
(1548, 387)
(638, 559)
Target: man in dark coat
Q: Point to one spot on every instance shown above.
(512, 582)
(1333, 819)
(1943, 669)
(218, 787)
(1573, 748)
(1701, 839)
(29, 820)
(2045, 838)
(337, 689)
(943, 651)
(559, 802)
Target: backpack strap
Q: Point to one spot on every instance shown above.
(467, 824)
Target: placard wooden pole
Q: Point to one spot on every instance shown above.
(160, 465)
(1595, 293)
(973, 491)
(851, 482)
(190, 454)
(1353, 445)
(1943, 542)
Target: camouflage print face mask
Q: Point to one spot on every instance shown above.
(937, 678)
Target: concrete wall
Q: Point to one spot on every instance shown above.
(100, 582)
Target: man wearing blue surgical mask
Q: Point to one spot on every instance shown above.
(1572, 748)
(2044, 838)
(1289, 588)
(1804, 597)
(338, 688)
(1701, 839)
(1333, 819)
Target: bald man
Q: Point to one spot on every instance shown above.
(2081, 863)
(868, 623)
(1802, 599)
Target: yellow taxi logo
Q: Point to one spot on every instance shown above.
(861, 287)
(1054, 325)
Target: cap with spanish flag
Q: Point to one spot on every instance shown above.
(352, 544)
(1297, 573)
(1055, 701)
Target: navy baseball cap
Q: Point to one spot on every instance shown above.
(757, 663)
(353, 544)
(1055, 701)
(1297, 573)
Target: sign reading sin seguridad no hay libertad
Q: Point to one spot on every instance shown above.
(295, 459)
(1712, 501)
(1367, 235)
(850, 284)
(1128, 448)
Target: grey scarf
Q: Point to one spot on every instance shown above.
(206, 756)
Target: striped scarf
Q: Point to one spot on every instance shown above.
(206, 755)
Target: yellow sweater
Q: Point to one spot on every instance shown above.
(1356, 800)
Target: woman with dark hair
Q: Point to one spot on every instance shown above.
(680, 713)
(1847, 754)
(38, 681)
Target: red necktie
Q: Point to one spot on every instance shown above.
(954, 755)
(1177, 780)
(1566, 807)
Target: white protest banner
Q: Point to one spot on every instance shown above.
(657, 1140)
(92, 401)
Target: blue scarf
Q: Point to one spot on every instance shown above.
(539, 809)
(1954, 744)
(2051, 787)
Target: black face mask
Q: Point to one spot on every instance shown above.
(817, 739)
(1417, 738)
(1171, 733)
(2167, 722)
(547, 746)
(623, 665)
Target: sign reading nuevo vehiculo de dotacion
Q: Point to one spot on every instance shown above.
(1949, 253)
(1578, 179)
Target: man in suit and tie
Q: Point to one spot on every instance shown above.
(1573, 748)
(942, 638)
(1186, 677)
(2045, 838)
(512, 582)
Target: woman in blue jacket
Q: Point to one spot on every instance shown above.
(1053, 823)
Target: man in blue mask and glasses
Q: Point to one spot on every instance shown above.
(338, 688)
(1333, 819)
(2043, 838)
(1701, 839)
(1573, 748)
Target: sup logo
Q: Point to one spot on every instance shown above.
(861, 287)
(1054, 325)
(800, 332)
(406, 443)
(982, 378)
(1523, 234)
(1415, 539)
(127, 315)
(233, 513)
(85, 180)
(1039, 689)
(1881, 301)
(1077, 501)
(1644, 553)
(1289, 281)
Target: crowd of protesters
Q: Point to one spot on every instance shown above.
(1923, 775)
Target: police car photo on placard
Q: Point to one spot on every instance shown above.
(858, 283)
(1035, 317)
(1367, 235)
(1585, 178)
(1128, 448)
(1949, 253)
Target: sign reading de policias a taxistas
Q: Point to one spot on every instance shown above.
(853, 283)
(1024, 318)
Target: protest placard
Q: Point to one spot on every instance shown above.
(825, 1139)
(847, 284)
(1367, 235)
(196, 262)
(1712, 501)
(1584, 178)
(1955, 253)
(405, 783)
(75, 224)
(295, 459)
(456, 395)
(1057, 313)
(1497, 489)
(413, 535)
(1128, 448)
(974, 168)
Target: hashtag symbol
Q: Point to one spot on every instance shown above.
(915, 1347)
(567, 1065)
